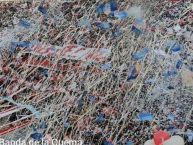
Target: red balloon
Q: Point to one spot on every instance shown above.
(160, 136)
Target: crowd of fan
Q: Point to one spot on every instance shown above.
(108, 111)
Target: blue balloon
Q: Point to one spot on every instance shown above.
(170, 87)
(88, 133)
(191, 69)
(104, 25)
(170, 73)
(66, 125)
(37, 136)
(45, 72)
(100, 9)
(139, 21)
(133, 73)
(85, 22)
(106, 143)
(100, 117)
(171, 117)
(122, 15)
(43, 10)
(114, 76)
(136, 30)
(34, 128)
(106, 66)
(141, 54)
(179, 64)
(171, 127)
(92, 99)
(24, 23)
(130, 142)
(113, 6)
(80, 103)
(146, 116)
(174, 46)
(43, 125)
(25, 44)
(117, 32)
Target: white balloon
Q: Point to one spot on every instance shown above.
(149, 142)
(174, 140)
